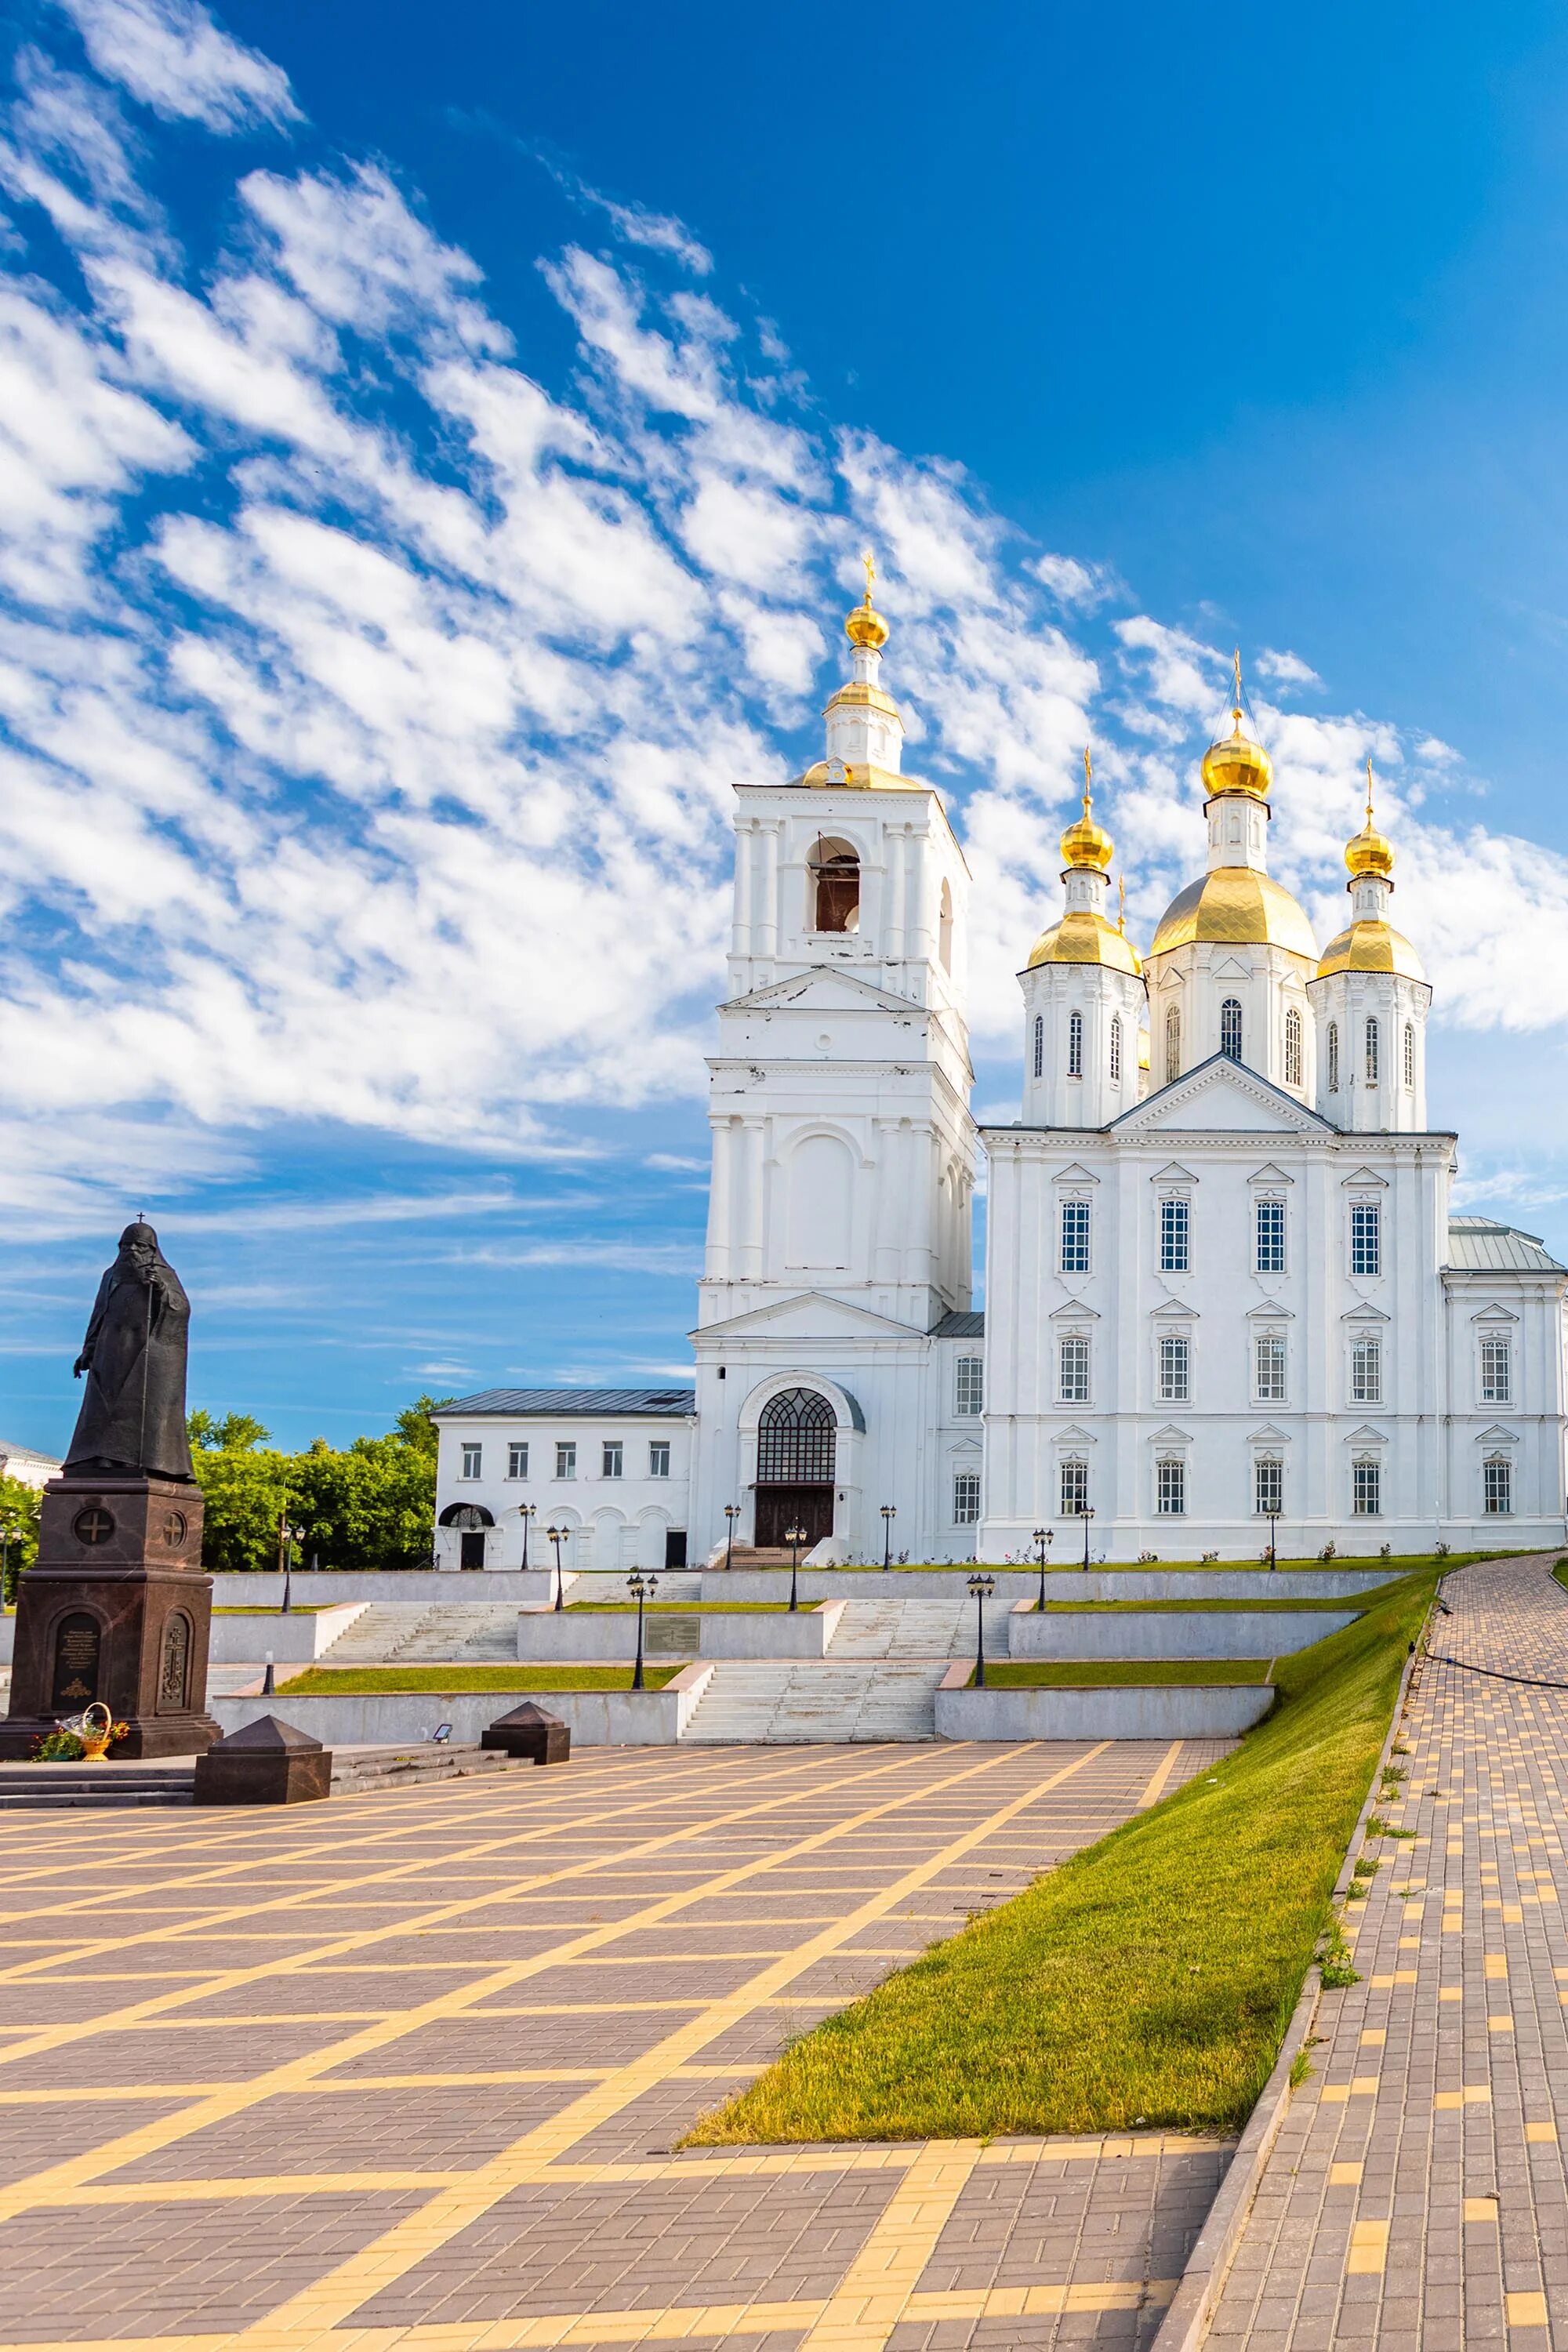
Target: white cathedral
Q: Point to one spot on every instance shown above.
(1225, 1300)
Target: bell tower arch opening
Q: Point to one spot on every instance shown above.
(835, 886)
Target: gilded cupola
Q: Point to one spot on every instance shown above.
(1235, 763)
(1370, 942)
(1085, 934)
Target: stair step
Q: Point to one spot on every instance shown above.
(784, 1702)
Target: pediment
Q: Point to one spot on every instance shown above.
(824, 988)
(1074, 1312)
(1272, 1315)
(1365, 1179)
(1498, 1435)
(1365, 1315)
(1219, 1096)
(1367, 1435)
(1075, 1174)
(1269, 1174)
(1270, 1435)
(810, 1314)
(1169, 1435)
(1072, 1435)
(1174, 1310)
(966, 1445)
(1172, 1172)
(1494, 1314)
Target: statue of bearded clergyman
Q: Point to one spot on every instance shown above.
(133, 1416)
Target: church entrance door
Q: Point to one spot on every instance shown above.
(796, 1439)
(779, 1508)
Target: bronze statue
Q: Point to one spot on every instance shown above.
(133, 1416)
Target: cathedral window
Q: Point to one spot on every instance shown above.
(1270, 1369)
(1410, 1053)
(1172, 1043)
(1074, 1490)
(1075, 1237)
(1073, 1372)
(1075, 1044)
(945, 929)
(835, 886)
(517, 1459)
(969, 1387)
(1173, 1230)
(1292, 1047)
(1268, 1489)
(1116, 1049)
(1170, 1488)
(1039, 1044)
(1230, 1028)
(797, 1440)
(473, 1462)
(1271, 1219)
(1497, 1371)
(1367, 1253)
(1497, 1490)
(1366, 1488)
(966, 1497)
(1366, 1371)
(1333, 1058)
(1371, 1051)
(1175, 1369)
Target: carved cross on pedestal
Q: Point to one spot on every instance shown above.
(94, 1526)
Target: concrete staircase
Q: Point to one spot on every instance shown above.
(784, 1702)
(60, 1788)
(918, 1629)
(392, 1633)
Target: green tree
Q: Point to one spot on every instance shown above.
(237, 1433)
(19, 1508)
(366, 1506)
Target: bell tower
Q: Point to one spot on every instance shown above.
(1083, 996)
(1371, 1000)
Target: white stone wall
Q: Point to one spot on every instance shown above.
(616, 1523)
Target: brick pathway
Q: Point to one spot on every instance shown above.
(1415, 2196)
(408, 2070)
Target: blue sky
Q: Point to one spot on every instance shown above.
(435, 449)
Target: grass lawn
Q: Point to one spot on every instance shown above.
(1103, 1673)
(1561, 1573)
(1148, 1980)
(338, 1682)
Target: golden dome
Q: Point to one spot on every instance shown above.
(1369, 852)
(865, 625)
(1086, 847)
(1372, 946)
(1084, 936)
(1236, 905)
(1235, 763)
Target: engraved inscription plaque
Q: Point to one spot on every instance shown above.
(672, 1637)
(77, 1640)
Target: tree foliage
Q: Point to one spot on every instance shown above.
(19, 1507)
(366, 1506)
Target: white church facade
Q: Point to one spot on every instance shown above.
(1225, 1300)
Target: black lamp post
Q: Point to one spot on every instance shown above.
(558, 1536)
(1273, 1518)
(291, 1536)
(983, 1587)
(889, 1513)
(1086, 1512)
(1042, 1537)
(732, 1513)
(525, 1512)
(794, 1537)
(643, 1588)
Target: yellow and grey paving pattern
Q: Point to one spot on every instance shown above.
(1415, 2196)
(411, 2070)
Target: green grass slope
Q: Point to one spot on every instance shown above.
(1149, 1979)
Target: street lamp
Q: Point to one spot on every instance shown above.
(525, 1512)
(983, 1587)
(558, 1536)
(732, 1513)
(291, 1536)
(1272, 1516)
(1086, 1513)
(889, 1513)
(794, 1537)
(1042, 1536)
(643, 1588)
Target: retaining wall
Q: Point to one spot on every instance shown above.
(415, 1587)
(712, 1633)
(390, 1718)
(293, 1640)
(1128, 1711)
(1023, 1584)
(1171, 1633)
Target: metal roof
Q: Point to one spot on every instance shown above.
(960, 1325)
(561, 1404)
(27, 1454)
(1481, 1245)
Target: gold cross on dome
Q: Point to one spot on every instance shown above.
(1236, 707)
(1088, 777)
(869, 560)
(1369, 792)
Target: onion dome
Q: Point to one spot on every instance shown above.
(1369, 852)
(1084, 936)
(1238, 905)
(1086, 847)
(1235, 763)
(865, 627)
(1372, 946)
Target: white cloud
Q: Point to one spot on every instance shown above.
(1284, 668)
(171, 56)
(1081, 587)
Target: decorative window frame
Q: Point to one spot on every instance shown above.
(1072, 1183)
(1259, 1329)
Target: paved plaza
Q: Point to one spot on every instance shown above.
(1415, 2196)
(410, 2069)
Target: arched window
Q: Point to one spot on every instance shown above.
(836, 871)
(1039, 1044)
(1371, 1051)
(1333, 1058)
(1292, 1047)
(1075, 1044)
(1172, 1043)
(1116, 1049)
(795, 1440)
(945, 929)
(1410, 1053)
(1230, 1028)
